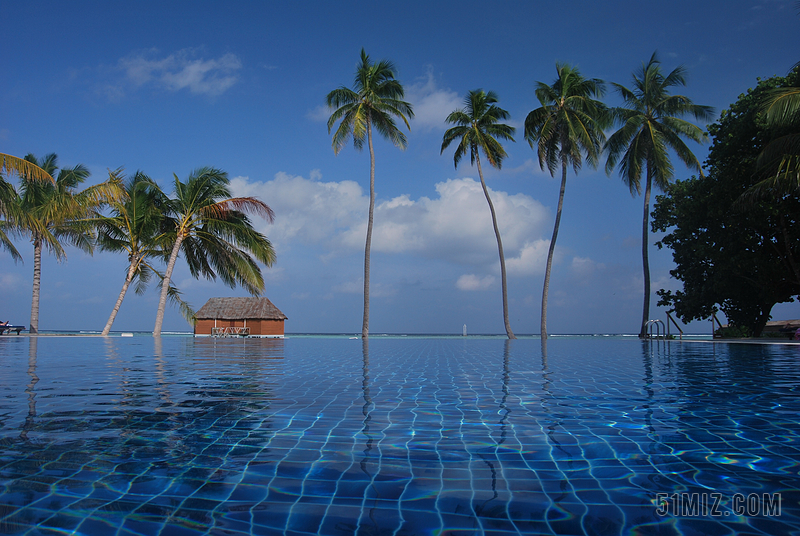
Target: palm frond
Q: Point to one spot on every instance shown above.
(781, 106)
(23, 168)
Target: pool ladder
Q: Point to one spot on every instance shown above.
(661, 330)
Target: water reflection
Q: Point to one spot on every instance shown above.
(492, 459)
(238, 438)
(30, 389)
(370, 465)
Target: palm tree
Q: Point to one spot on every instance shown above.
(780, 158)
(650, 126)
(216, 237)
(477, 130)
(10, 165)
(375, 98)
(568, 124)
(56, 213)
(134, 227)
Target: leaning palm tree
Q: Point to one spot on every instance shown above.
(8, 208)
(134, 226)
(375, 98)
(650, 127)
(478, 130)
(568, 124)
(56, 213)
(216, 237)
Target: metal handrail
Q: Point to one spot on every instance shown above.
(670, 319)
(714, 317)
(658, 325)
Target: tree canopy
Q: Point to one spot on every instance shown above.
(737, 257)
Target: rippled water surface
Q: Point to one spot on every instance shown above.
(401, 436)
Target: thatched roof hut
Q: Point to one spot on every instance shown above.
(255, 317)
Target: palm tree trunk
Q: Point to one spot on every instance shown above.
(645, 257)
(131, 271)
(509, 333)
(368, 246)
(37, 280)
(552, 249)
(162, 302)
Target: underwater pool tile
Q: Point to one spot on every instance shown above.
(305, 517)
(483, 427)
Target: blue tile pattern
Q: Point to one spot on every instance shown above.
(399, 436)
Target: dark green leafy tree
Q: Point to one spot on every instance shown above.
(373, 103)
(215, 235)
(651, 127)
(56, 213)
(478, 130)
(739, 258)
(568, 125)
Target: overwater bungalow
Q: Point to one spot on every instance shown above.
(239, 317)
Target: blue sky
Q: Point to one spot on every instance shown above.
(167, 87)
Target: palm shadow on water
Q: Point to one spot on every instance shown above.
(30, 390)
(491, 455)
(369, 457)
(560, 515)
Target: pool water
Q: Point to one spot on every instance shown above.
(397, 436)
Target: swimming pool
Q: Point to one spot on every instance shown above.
(402, 436)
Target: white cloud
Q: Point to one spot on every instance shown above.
(349, 287)
(473, 282)
(376, 289)
(320, 114)
(431, 104)
(307, 211)
(585, 267)
(455, 226)
(531, 259)
(182, 70)
(530, 166)
(10, 282)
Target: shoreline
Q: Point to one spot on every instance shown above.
(694, 337)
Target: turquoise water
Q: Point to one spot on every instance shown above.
(403, 435)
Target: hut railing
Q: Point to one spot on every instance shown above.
(231, 331)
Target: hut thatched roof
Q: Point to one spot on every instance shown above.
(236, 308)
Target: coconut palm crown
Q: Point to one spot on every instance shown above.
(215, 235)
(565, 129)
(780, 159)
(375, 100)
(651, 127)
(135, 227)
(56, 213)
(477, 131)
